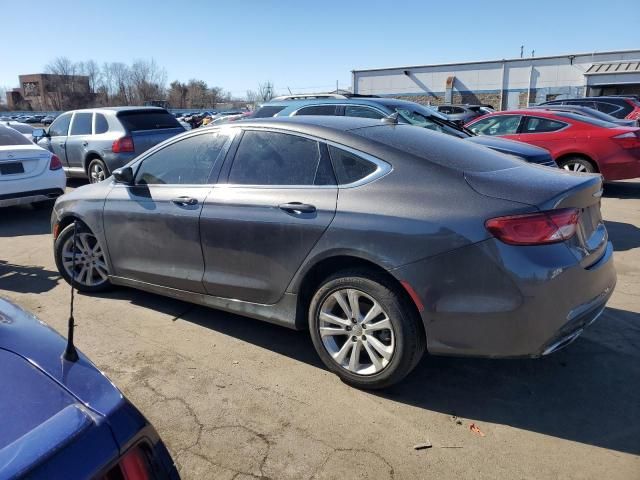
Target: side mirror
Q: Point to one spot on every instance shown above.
(38, 133)
(123, 175)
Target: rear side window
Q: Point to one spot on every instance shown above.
(318, 110)
(272, 158)
(60, 126)
(185, 162)
(8, 136)
(362, 112)
(268, 111)
(541, 125)
(148, 120)
(81, 124)
(101, 124)
(350, 168)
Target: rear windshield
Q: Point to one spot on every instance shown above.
(440, 149)
(9, 136)
(590, 120)
(21, 128)
(268, 111)
(148, 120)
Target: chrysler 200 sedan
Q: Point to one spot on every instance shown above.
(382, 239)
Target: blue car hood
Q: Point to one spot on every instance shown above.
(48, 404)
(530, 153)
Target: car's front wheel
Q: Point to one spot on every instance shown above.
(83, 260)
(364, 330)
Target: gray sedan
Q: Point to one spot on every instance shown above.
(381, 239)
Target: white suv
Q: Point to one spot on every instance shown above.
(28, 173)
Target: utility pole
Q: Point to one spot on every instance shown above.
(337, 87)
(521, 51)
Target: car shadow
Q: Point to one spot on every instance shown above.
(24, 220)
(587, 392)
(26, 278)
(621, 190)
(623, 236)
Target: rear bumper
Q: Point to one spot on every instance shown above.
(23, 198)
(495, 300)
(623, 166)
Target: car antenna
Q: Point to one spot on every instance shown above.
(391, 119)
(70, 353)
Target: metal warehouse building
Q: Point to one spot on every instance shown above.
(509, 83)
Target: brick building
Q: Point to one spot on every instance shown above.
(43, 92)
(507, 84)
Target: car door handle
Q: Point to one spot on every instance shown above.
(62, 144)
(297, 207)
(84, 144)
(184, 201)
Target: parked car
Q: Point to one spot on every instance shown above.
(380, 238)
(589, 112)
(464, 113)
(24, 128)
(576, 142)
(28, 173)
(93, 142)
(34, 119)
(407, 112)
(619, 107)
(66, 419)
(48, 119)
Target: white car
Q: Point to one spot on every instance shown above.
(28, 173)
(24, 128)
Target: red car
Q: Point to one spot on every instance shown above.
(576, 143)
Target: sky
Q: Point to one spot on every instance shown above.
(304, 46)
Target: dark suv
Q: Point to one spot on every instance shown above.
(94, 142)
(619, 107)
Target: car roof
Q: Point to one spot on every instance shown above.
(338, 101)
(117, 109)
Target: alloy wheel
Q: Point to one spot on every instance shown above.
(90, 266)
(575, 167)
(356, 331)
(96, 173)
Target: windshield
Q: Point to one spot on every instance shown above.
(427, 119)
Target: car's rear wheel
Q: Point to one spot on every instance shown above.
(577, 164)
(97, 171)
(90, 267)
(364, 330)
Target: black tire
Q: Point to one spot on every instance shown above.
(577, 164)
(63, 237)
(97, 165)
(409, 335)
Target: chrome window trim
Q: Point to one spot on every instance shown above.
(382, 168)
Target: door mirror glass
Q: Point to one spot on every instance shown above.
(123, 175)
(38, 133)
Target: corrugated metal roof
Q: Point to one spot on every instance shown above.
(614, 68)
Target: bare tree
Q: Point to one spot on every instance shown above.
(266, 91)
(91, 69)
(148, 80)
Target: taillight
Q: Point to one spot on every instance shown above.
(55, 163)
(635, 115)
(628, 140)
(535, 228)
(134, 465)
(121, 145)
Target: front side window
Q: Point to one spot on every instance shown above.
(350, 168)
(185, 162)
(60, 126)
(362, 112)
(541, 125)
(81, 124)
(318, 110)
(498, 125)
(272, 158)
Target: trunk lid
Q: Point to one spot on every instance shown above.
(22, 161)
(548, 189)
